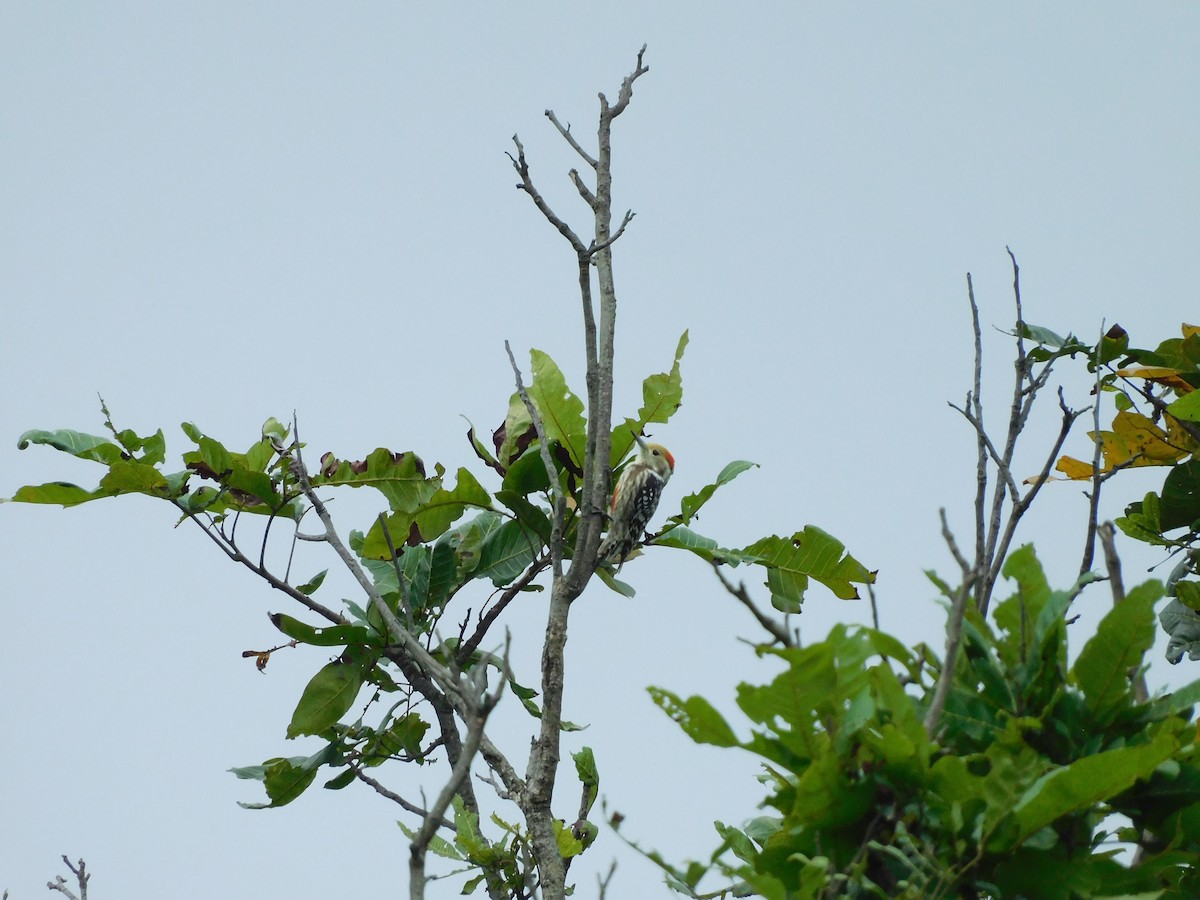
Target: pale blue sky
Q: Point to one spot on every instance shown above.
(220, 212)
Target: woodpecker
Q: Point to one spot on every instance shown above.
(635, 499)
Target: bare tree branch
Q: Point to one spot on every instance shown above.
(994, 530)
(526, 185)
(777, 631)
(545, 753)
(1089, 543)
(397, 799)
(485, 620)
(953, 631)
(476, 722)
(82, 877)
(570, 139)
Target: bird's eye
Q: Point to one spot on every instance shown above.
(656, 453)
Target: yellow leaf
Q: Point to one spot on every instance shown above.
(1135, 440)
(1074, 469)
(1159, 375)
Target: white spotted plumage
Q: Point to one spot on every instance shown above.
(635, 499)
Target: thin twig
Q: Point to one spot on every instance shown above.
(604, 882)
(1089, 543)
(612, 239)
(776, 630)
(397, 799)
(526, 185)
(510, 593)
(953, 631)
(401, 582)
(232, 551)
(570, 139)
(556, 491)
(458, 775)
(975, 400)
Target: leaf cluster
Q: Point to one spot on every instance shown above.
(436, 535)
(1156, 422)
(1014, 796)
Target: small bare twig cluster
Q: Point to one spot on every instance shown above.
(59, 884)
(998, 515)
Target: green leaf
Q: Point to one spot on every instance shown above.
(614, 583)
(1188, 593)
(1183, 699)
(589, 777)
(1121, 640)
(438, 846)
(560, 409)
(1041, 335)
(692, 503)
(60, 493)
(310, 587)
(1179, 504)
(696, 716)
(468, 836)
(568, 845)
(526, 695)
(1186, 407)
(683, 538)
(526, 475)
(1085, 782)
(662, 394)
(811, 553)
(338, 782)
(400, 477)
(443, 569)
(518, 431)
(506, 553)
(284, 779)
(76, 443)
(531, 516)
(329, 636)
(328, 696)
(401, 738)
(429, 510)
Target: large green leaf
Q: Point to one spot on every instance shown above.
(560, 409)
(811, 553)
(1121, 640)
(76, 443)
(683, 538)
(1083, 783)
(329, 636)
(435, 510)
(400, 477)
(662, 394)
(696, 716)
(506, 553)
(284, 779)
(126, 473)
(1186, 407)
(1179, 504)
(327, 697)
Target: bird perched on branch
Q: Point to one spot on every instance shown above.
(635, 499)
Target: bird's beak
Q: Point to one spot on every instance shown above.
(641, 443)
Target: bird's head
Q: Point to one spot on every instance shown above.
(656, 456)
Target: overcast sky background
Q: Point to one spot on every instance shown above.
(221, 212)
